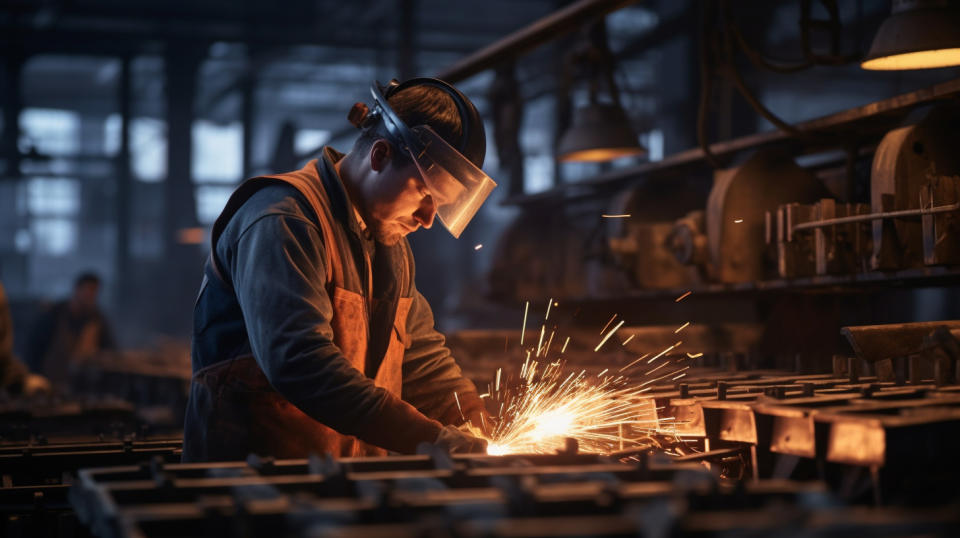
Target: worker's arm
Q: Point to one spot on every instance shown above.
(277, 267)
(430, 373)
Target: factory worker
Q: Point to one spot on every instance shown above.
(70, 332)
(309, 333)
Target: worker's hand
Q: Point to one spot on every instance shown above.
(34, 384)
(455, 441)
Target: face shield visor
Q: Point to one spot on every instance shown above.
(456, 185)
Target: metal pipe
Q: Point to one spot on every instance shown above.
(546, 29)
(877, 216)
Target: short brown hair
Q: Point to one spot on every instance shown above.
(417, 105)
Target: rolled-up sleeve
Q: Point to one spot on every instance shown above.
(431, 376)
(277, 267)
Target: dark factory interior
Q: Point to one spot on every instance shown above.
(687, 268)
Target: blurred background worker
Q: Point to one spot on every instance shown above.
(14, 376)
(310, 335)
(70, 331)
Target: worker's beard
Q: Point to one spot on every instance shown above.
(388, 233)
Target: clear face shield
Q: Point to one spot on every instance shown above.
(457, 186)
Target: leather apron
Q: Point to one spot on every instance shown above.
(243, 413)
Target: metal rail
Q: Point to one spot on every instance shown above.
(876, 216)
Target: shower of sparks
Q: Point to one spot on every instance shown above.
(628, 339)
(478, 246)
(664, 352)
(620, 216)
(634, 362)
(524, 328)
(540, 343)
(457, 398)
(609, 334)
(604, 329)
(550, 404)
(549, 341)
(682, 297)
(682, 327)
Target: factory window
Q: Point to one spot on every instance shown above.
(217, 152)
(537, 173)
(210, 202)
(653, 141)
(54, 236)
(309, 140)
(53, 204)
(22, 240)
(53, 196)
(148, 149)
(111, 134)
(49, 131)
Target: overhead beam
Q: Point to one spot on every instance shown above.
(546, 29)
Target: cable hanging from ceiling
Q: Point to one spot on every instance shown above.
(720, 43)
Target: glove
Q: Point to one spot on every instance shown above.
(456, 441)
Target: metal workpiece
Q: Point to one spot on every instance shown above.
(807, 416)
(479, 496)
(883, 437)
(566, 494)
(874, 342)
(299, 495)
(795, 427)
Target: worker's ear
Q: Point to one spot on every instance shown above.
(380, 154)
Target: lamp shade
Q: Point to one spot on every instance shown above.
(600, 132)
(919, 34)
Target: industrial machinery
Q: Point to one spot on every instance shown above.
(735, 212)
(910, 222)
(907, 180)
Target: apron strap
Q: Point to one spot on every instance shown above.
(307, 182)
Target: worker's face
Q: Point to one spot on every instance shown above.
(396, 200)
